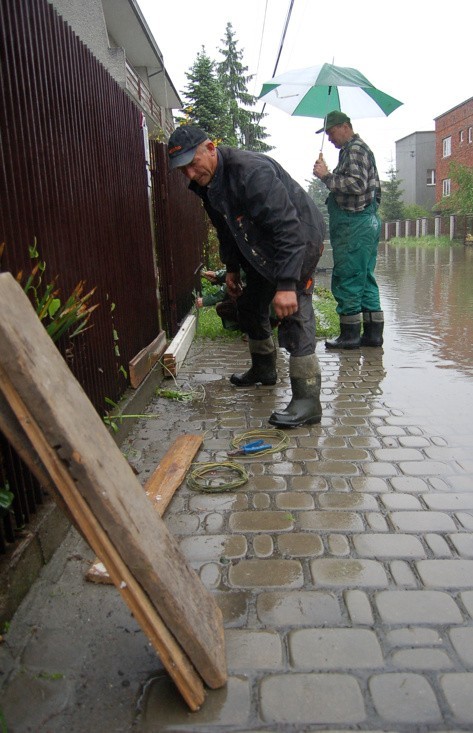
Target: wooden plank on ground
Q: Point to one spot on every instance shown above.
(159, 488)
(141, 364)
(102, 492)
(175, 353)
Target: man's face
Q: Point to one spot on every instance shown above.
(202, 167)
(339, 134)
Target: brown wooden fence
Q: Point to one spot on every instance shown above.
(73, 179)
(183, 226)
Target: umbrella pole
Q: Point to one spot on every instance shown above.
(325, 116)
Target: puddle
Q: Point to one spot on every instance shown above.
(427, 358)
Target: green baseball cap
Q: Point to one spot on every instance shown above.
(332, 119)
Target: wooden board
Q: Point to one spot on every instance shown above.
(159, 488)
(141, 364)
(105, 498)
(175, 353)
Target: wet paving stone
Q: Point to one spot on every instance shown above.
(404, 698)
(334, 648)
(302, 698)
(348, 573)
(343, 568)
(298, 608)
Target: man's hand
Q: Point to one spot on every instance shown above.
(320, 167)
(233, 283)
(210, 275)
(285, 303)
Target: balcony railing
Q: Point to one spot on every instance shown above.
(143, 96)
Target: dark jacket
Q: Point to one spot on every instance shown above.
(259, 211)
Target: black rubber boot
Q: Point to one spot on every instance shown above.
(304, 407)
(350, 330)
(262, 371)
(373, 327)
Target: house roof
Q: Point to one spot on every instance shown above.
(451, 110)
(127, 25)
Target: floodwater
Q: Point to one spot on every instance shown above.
(427, 298)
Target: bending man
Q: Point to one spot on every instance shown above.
(268, 226)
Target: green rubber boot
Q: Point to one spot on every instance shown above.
(373, 327)
(350, 330)
(263, 365)
(304, 407)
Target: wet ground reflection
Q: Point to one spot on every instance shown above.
(427, 297)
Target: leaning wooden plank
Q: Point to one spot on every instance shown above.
(172, 656)
(159, 488)
(15, 435)
(141, 364)
(106, 483)
(175, 354)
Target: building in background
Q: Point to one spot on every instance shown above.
(119, 37)
(454, 143)
(416, 168)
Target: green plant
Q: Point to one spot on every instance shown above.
(428, 241)
(6, 498)
(58, 317)
(121, 369)
(211, 250)
(209, 325)
(414, 211)
(6, 627)
(3, 722)
(325, 310)
(115, 418)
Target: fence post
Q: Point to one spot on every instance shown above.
(437, 226)
(452, 226)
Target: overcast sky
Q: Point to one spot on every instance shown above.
(414, 50)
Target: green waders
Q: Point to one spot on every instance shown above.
(355, 238)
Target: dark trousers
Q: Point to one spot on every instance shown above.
(296, 333)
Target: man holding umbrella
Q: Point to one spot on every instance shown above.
(268, 226)
(355, 194)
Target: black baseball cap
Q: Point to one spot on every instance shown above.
(183, 143)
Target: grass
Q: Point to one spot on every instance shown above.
(427, 241)
(209, 325)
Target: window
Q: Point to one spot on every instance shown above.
(470, 134)
(431, 176)
(446, 187)
(447, 147)
(461, 136)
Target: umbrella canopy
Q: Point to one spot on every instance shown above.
(317, 90)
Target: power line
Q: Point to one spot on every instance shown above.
(261, 42)
(281, 44)
(283, 35)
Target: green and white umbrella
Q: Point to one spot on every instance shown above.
(318, 90)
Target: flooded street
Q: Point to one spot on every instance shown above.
(427, 297)
(342, 565)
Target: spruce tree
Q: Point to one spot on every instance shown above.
(391, 208)
(206, 103)
(318, 192)
(246, 131)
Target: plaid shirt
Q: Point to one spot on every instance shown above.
(354, 183)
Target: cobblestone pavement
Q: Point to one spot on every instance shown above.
(344, 570)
